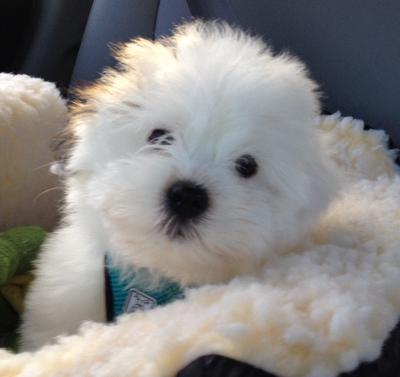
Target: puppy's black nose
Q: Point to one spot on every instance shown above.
(186, 200)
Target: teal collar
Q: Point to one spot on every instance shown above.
(130, 294)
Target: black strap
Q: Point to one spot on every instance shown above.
(109, 299)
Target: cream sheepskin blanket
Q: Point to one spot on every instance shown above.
(32, 112)
(319, 310)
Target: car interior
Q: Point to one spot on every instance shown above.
(349, 46)
(352, 49)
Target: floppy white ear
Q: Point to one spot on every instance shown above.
(295, 87)
(78, 157)
(111, 130)
(112, 103)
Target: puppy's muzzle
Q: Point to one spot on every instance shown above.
(186, 200)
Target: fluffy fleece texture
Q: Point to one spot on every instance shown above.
(358, 153)
(31, 113)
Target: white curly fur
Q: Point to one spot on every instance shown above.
(222, 94)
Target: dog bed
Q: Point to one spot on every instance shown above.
(325, 308)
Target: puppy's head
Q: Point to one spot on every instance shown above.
(199, 155)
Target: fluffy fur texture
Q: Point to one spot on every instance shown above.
(221, 94)
(31, 113)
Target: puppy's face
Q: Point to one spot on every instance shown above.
(200, 157)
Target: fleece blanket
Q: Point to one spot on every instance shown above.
(317, 311)
(32, 112)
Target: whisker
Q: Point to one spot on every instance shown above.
(44, 166)
(164, 224)
(175, 229)
(196, 233)
(46, 191)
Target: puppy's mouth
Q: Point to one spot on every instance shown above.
(176, 230)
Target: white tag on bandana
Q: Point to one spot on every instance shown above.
(137, 300)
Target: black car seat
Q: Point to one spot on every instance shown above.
(41, 38)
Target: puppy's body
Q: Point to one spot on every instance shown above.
(69, 287)
(199, 160)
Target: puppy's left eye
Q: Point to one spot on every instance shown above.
(246, 166)
(160, 136)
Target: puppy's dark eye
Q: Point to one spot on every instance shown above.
(160, 136)
(246, 166)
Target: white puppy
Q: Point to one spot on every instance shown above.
(197, 159)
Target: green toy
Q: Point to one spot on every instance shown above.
(19, 247)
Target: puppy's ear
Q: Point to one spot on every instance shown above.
(293, 85)
(67, 145)
(112, 103)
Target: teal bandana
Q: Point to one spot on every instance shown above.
(127, 295)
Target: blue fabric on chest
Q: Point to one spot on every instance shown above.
(129, 295)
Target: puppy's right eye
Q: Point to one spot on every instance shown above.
(160, 136)
(246, 166)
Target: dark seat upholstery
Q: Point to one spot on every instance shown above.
(352, 47)
(120, 21)
(42, 38)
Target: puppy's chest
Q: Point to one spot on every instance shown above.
(128, 291)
